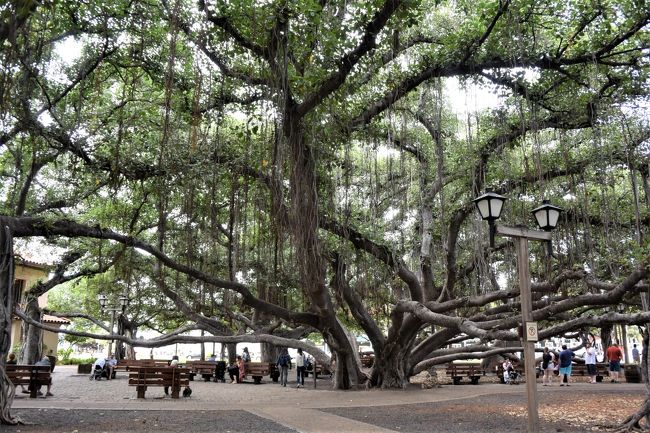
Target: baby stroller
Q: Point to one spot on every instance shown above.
(99, 372)
(220, 371)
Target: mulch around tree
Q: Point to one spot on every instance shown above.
(588, 411)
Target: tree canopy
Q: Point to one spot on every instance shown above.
(264, 171)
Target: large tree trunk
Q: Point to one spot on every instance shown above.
(232, 352)
(305, 229)
(606, 338)
(269, 352)
(7, 389)
(32, 335)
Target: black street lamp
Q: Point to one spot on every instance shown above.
(123, 303)
(547, 217)
(489, 206)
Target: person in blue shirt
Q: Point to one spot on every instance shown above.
(566, 356)
(284, 365)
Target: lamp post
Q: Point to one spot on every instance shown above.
(123, 303)
(489, 206)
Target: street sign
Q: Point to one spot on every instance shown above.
(531, 331)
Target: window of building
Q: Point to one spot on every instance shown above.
(19, 288)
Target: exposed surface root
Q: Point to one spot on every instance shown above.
(7, 393)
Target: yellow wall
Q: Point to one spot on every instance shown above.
(31, 275)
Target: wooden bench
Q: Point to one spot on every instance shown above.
(458, 371)
(367, 359)
(34, 376)
(320, 370)
(581, 370)
(173, 377)
(207, 369)
(127, 364)
(259, 369)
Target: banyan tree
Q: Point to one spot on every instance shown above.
(270, 171)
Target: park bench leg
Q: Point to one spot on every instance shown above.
(33, 390)
(191, 376)
(141, 390)
(176, 391)
(456, 380)
(257, 379)
(475, 380)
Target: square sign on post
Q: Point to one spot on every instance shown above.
(531, 331)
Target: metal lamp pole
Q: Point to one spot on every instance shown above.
(489, 206)
(529, 335)
(103, 303)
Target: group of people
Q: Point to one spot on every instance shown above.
(563, 363)
(237, 369)
(103, 367)
(45, 361)
(284, 364)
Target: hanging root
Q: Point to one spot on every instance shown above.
(7, 393)
(633, 422)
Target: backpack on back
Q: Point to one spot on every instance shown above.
(284, 360)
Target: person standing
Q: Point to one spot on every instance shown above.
(590, 362)
(284, 365)
(301, 366)
(566, 356)
(614, 356)
(507, 369)
(548, 364)
(246, 357)
(173, 364)
(636, 356)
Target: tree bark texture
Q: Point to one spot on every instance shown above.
(7, 389)
(32, 335)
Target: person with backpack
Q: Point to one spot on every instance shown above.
(301, 366)
(284, 365)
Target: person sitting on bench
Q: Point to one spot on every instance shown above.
(45, 361)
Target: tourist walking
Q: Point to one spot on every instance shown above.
(590, 362)
(548, 364)
(284, 365)
(566, 356)
(614, 356)
(301, 366)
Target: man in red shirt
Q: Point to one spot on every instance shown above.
(614, 355)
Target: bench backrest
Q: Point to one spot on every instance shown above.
(260, 368)
(129, 363)
(197, 366)
(159, 376)
(22, 374)
(469, 369)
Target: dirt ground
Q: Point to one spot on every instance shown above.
(567, 412)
